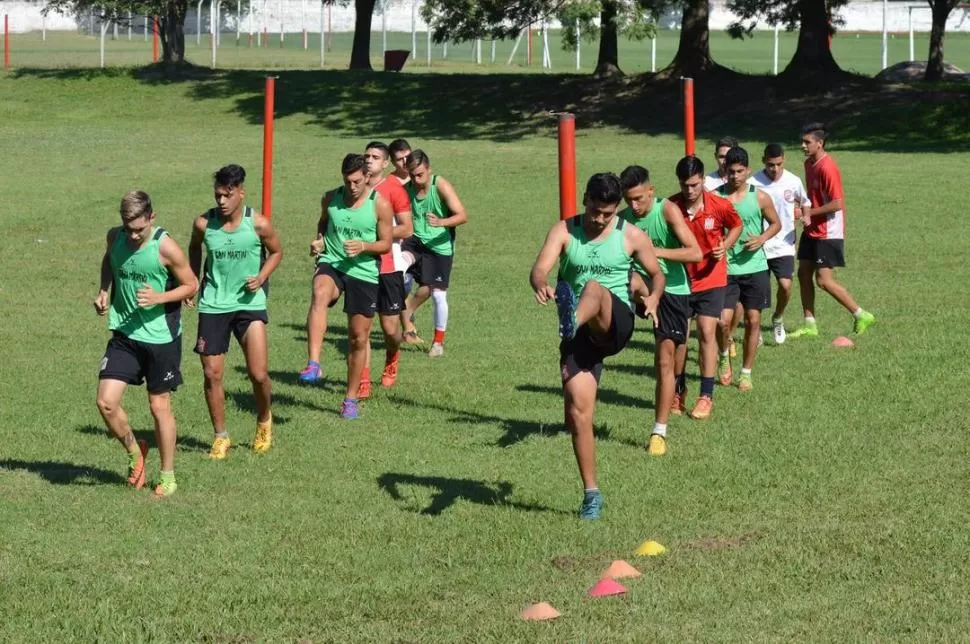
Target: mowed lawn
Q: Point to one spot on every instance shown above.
(828, 504)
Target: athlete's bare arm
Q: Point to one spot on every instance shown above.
(177, 263)
(454, 205)
(274, 251)
(690, 251)
(405, 225)
(549, 254)
(101, 301)
(195, 251)
(771, 216)
(638, 245)
(316, 246)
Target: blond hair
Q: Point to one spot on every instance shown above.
(136, 204)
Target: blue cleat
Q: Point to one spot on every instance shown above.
(312, 373)
(592, 504)
(350, 410)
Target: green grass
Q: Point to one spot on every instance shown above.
(855, 52)
(829, 504)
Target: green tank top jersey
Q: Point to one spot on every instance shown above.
(604, 261)
(654, 224)
(435, 238)
(231, 256)
(741, 261)
(345, 223)
(130, 270)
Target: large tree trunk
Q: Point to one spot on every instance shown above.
(608, 63)
(171, 33)
(934, 64)
(813, 54)
(694, 50)
(360, 55)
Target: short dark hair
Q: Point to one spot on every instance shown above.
(726, 142)
(633, 176)
(774, 150)
(353, 163)
(688, 167)
(816, 129)
(735, 156)
(377, 145)
(604, 188)
(398, 145)
(230, 176)
(416, 158)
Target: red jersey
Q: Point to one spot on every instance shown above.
(395, 194)
(713, 219)
(824, 184)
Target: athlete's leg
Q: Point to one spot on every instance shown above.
(358, 329)
(161, 408)
(664, 359)
(110, 393)
(725, 338)
(415, 301)
(595, 308)
(752, 330)
(782, 297)
(579, 397)
(440, 297)
(256, 349)
(215, 394)
(391, 327)
(325, 291)
(825, 278)
(806, 286)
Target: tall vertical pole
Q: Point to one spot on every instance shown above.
(777, 29)
(214, 12)
(528, 47)
(43, 28)
(567, 165)
(306, 42)
(280, 4)
(912, 44)
(329, 27)
(577, 46)
(653, 53)
(383, 27)
(114, 30)
(129, 26)
(155, 39)
(6, 41)
(268, 108)
(688, 84)
(493, 51)
(478, 51)
(251, 25)
(885, 34)
(104, 30)
(198, 23)
(429, 45)
(414, 28)
(238, 20)
(323, 33)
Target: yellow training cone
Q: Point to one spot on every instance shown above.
(650, 549)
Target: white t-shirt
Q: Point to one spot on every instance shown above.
(783, 193)
(713, 181)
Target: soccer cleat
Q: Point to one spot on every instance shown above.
(163, 490)
(807, 330)
(863, 322)
(778, 326)
(744, 382)
(311, 373)
(566, 305)
(678, 407)
(657, 445)
(592, 504)
(363, 390)
(702, 408)
(136, 472)
(389, 377)
(350, 410)
(412, 337)
(220, 448)
(724, 368)
(437, 350)
(733, 350)
(264, 436)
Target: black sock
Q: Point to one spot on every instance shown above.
(681, 385)
(707, 387)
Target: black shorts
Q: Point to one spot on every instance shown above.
(823, 253)
(429, 268)
(586, 352)
(215, 329)
(673, 313)
(360, 297)
(752, 290)
(134, 362)
(783, 268)
(390, 293)
(707, 303)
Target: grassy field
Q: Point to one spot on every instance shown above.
(827, 505)
(855, 52)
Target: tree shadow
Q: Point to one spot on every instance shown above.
(611, 396)
(62, 473)
(336, 336)
(449, 490)
(292, 378)
(187, 443)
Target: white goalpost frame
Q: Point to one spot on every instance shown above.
(885, 34)
(104, 30)
(777, 29)
(214, 14)
(250, 23)
(515, 47)
(198, 23)
(238, 20)
(493, 51)
(146, 28)
(546, 58)
(414, 28)
(577, 45)
(653, 52)
(303, 23)
(280, 5)
(429, 45)
(323, 26)
(129, 26)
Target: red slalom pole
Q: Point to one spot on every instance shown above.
(688, 84)
(155, 39)
(567, 165)
(268, 146)
(6, 41)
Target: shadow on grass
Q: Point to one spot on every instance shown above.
(181, 441)
(603, 395)
(292, 378)
(61, 473)
(449, 490)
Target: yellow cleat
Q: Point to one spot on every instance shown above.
(264, 437)
(220, 448)
(657, 445)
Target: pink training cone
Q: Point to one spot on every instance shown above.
(620, 569)
(539, 612)
(842, 342)
(606, 588)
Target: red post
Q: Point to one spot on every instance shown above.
(6, 41)
(567, 165)
(688, 84)
(155, 39)
(268, 147)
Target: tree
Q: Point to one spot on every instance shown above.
(360, 54)
(941, 11)
(616, 17)
(694, 50)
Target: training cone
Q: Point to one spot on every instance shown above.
(620, 569)
(606, 588)
(650, 549)
(842, 342)
(539, 612)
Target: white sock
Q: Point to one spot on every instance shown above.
(725, 353)
(745, 372)
(440, 309)
(660, 429)
(857, 313)
(809, 319)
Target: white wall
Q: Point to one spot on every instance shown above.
(859, 16)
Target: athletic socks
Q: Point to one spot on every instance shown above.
(725, 353)
(222, 434)
(660, 429)
(439, 336)
(707, 387)
(809, 319)
(857, 313)
(681, 385)
(440, 311)
(745, 372)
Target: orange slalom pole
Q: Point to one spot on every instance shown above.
(155, 39)
(688, 84)
(268, 109)
(567, 166)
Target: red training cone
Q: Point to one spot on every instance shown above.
(843, 342)
(606, 588)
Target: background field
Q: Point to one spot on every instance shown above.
(828, 504)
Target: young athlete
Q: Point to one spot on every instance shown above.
(674, 245)
(232, 301)
(429, 253)
(148, 277)
(594, 252)
(718, 177)
(400, 150)
(822, 246)
(748, 282)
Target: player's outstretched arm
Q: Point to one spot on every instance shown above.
(178, 264)
(640, 248)
(769, 214)
(691, 250)
(458, 214)
(316, 246)
(101, 300)
(552, 248)
(274, 251)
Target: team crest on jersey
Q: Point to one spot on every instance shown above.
(789, 196)
(709, 223)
